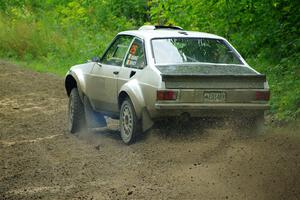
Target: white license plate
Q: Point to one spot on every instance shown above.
(214, 96)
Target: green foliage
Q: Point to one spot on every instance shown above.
(52, 35)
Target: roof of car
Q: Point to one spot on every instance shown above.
(165, 33)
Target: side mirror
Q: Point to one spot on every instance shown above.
(96, 59)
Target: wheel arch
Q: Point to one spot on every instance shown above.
(122, 96)
(70, 83)
(137, 107)
(73, 81)
(132, 91)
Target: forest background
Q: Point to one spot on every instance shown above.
(52, 35)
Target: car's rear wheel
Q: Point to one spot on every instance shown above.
(129, 123)
(76, 112)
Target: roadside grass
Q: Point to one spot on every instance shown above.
(49, 48)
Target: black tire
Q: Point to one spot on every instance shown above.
(76, 116)
(130, 126)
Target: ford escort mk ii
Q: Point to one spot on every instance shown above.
(160, 72)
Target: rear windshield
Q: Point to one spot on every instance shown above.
(193, 50)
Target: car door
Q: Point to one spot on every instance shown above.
(102, 87)
(135, 61)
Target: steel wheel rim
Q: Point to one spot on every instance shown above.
(127, 122)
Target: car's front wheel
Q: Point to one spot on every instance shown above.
(76, 112)
(129, 123)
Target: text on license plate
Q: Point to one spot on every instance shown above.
(214, 96)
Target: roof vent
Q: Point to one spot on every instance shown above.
(183, 32)
(147, 27)
(156, 27)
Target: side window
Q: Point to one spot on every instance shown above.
(136, 56)
(116, 53)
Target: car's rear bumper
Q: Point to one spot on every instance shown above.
(208, 110)
(203, 106)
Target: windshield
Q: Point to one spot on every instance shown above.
(193, 50)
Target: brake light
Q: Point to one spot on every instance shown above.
(263, 95)
(166, 95)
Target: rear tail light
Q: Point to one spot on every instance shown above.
(166, 95)
(263, 95)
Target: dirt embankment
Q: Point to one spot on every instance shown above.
(40, 160)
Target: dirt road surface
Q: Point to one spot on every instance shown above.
(39, 159)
